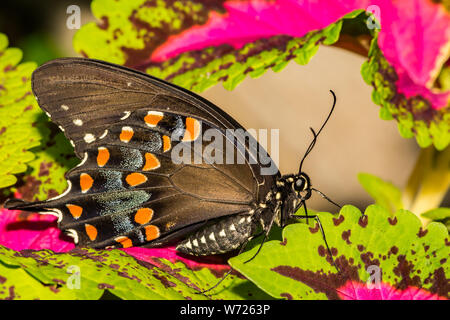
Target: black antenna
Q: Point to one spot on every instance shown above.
(313, 142)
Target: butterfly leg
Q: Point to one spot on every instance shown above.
(229, 271)
(267, 229)
(321, 230)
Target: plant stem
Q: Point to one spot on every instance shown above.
(428, 182)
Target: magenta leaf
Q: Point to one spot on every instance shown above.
(197, 45)
(20, 230)
(353, 290)
(247, 21)
(414, 38)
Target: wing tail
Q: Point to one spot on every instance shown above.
(19, 204)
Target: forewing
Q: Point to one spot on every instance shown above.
(128, 190)
(99, 94)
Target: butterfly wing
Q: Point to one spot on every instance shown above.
(99, 94)
(128, 189)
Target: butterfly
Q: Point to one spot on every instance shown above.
(132, 189)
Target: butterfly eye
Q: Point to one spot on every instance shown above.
(299, 184)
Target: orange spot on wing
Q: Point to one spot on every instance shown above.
(124, 241)
(192, 129)
(91, 231)
(86, 182)
(151, 162)
(153, 117)
(75, 210)
(103, 156)
(143, 215)
(134, 179)
(151, 232)
(166, 143)
(126, 134)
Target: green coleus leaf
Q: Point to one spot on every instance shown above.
(415, 117)
(20, 124)
(439, 214)
(54, 158)
(199, 70)
(129, 32)
(395, 248)
(87, 274)
(384, 193)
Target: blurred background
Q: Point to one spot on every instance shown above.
(355, 139)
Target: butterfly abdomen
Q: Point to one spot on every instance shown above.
(224, 235)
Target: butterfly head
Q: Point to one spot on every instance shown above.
(301, 186)
(293, 191)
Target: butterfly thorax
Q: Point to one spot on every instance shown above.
(285, 198)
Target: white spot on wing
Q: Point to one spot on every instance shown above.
(103, 134)
(64, 107)
(54, 212)
(89, 137)
(78, 122)
(84, 160)
(195, 242)
(222, 233)
(232, 227)
(202, 239)
(211, 236)
(127, 114)
(72, 233)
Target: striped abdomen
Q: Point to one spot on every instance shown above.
(225, 235)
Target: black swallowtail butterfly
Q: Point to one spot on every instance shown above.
(128, 191)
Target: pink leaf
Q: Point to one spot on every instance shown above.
(354, 290)
(414, 35)
(21, 231)
(169, 253)
(247, 21)
(415, 40)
